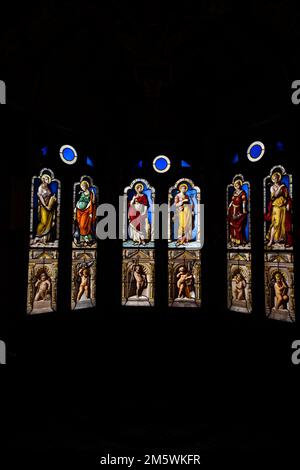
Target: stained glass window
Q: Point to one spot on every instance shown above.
(44, 240)
(279, 245)
(84, 253)
(138, 268)
(239, 245)
(184, 255)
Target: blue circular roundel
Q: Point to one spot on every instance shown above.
(161, 164)
(256, 151)
(68, 154)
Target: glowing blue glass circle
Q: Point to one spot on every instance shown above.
(161, 164)
(256, 151)
(68, 154)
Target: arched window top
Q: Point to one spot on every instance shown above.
(190, 186)
(143, 182)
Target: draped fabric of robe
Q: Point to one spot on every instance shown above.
(86, 214)
(185, 217)
(280, 215)
(138, 219)
(46, 212)
(237, 218)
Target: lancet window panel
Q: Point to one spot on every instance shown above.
(84, 244)
(279, 245)
(239, 254)
(184, 278)
(138, 277)
(43, 243)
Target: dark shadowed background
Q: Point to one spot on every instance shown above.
(124, 82)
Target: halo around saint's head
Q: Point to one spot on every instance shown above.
(45, 174)
(139, 185)
(278, 174)
(183, 185)
(85, 179)
(84, 182)
(238, 179)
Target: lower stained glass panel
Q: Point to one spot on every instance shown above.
(83, 279)
(42, 281)
(184, 278)
(279, 286)
(138, 278)
(239, 282)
